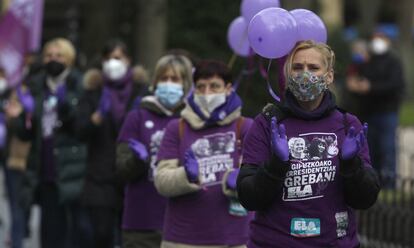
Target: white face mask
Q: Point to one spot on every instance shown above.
(114, 69)
(210, 102)
(3, 85)
(379, 46)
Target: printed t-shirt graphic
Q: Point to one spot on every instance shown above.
(214, 156)
(311, 167)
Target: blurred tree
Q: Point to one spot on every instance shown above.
(201, 28)
(368, 16)
(4, 4)
(151, 31)
(332, 13)
(405, 19)
(98, 26)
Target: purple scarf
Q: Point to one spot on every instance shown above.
(292, 106)
(120, 93)
(233, 102)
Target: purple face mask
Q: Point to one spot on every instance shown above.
(306, 86)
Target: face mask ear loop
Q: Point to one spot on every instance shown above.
(325, 80)
(265, 75)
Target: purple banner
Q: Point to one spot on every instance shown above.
(20, 33)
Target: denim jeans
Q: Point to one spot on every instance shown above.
(13, 180)
(382, 129)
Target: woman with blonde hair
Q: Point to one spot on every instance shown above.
(138, 144)
(310, 203)
(56, 162)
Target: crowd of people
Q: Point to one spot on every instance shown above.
(113, 157)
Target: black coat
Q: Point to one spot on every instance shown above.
(102, 187)
(385, 73)
(69, 153)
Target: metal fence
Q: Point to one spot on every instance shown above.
(390, 222)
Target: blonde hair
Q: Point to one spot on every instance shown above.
(327, 54)
(65, 46)
(179, 64)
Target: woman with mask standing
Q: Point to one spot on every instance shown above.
(138, 144)
(109, 95)
(381, 92)
(306, 203)
(57, 158)
(198, 163)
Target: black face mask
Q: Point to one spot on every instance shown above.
(54, 68)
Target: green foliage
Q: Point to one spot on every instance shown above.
(407, 114)
(200, 27)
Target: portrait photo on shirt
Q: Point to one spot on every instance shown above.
(313, 146)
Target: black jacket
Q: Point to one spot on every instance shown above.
(385, 73)
(102, 187)
(69, 153)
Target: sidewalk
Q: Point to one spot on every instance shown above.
(405, 155)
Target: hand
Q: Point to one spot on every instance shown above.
(138, 148)
(353, 142)
(352, 83)
(232, 179)
(364, 86)
(279, 140)
(61, 93)
(13, 108)
(26, 99)
(191, 166)
(96, 118)
(104, 102)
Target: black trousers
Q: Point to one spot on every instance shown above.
(103, 225)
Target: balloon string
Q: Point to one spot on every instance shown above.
(281, 74)
(247, 70)
(265, 75)
(232, 60)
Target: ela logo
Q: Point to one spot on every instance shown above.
(305, 227)
(299, 191)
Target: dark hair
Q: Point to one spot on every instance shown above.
(210, 68)
(111, 45)
(314, 149)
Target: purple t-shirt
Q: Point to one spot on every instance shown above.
(202, 217)
(143, 207)
(311, 211)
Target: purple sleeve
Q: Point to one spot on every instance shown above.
(256, 148)
(170, 144)
(245, 128)
(130, 127)
(364, 152)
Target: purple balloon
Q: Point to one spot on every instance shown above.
(272, 33)
(249, 8)
(237, 37)
(310, 26)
